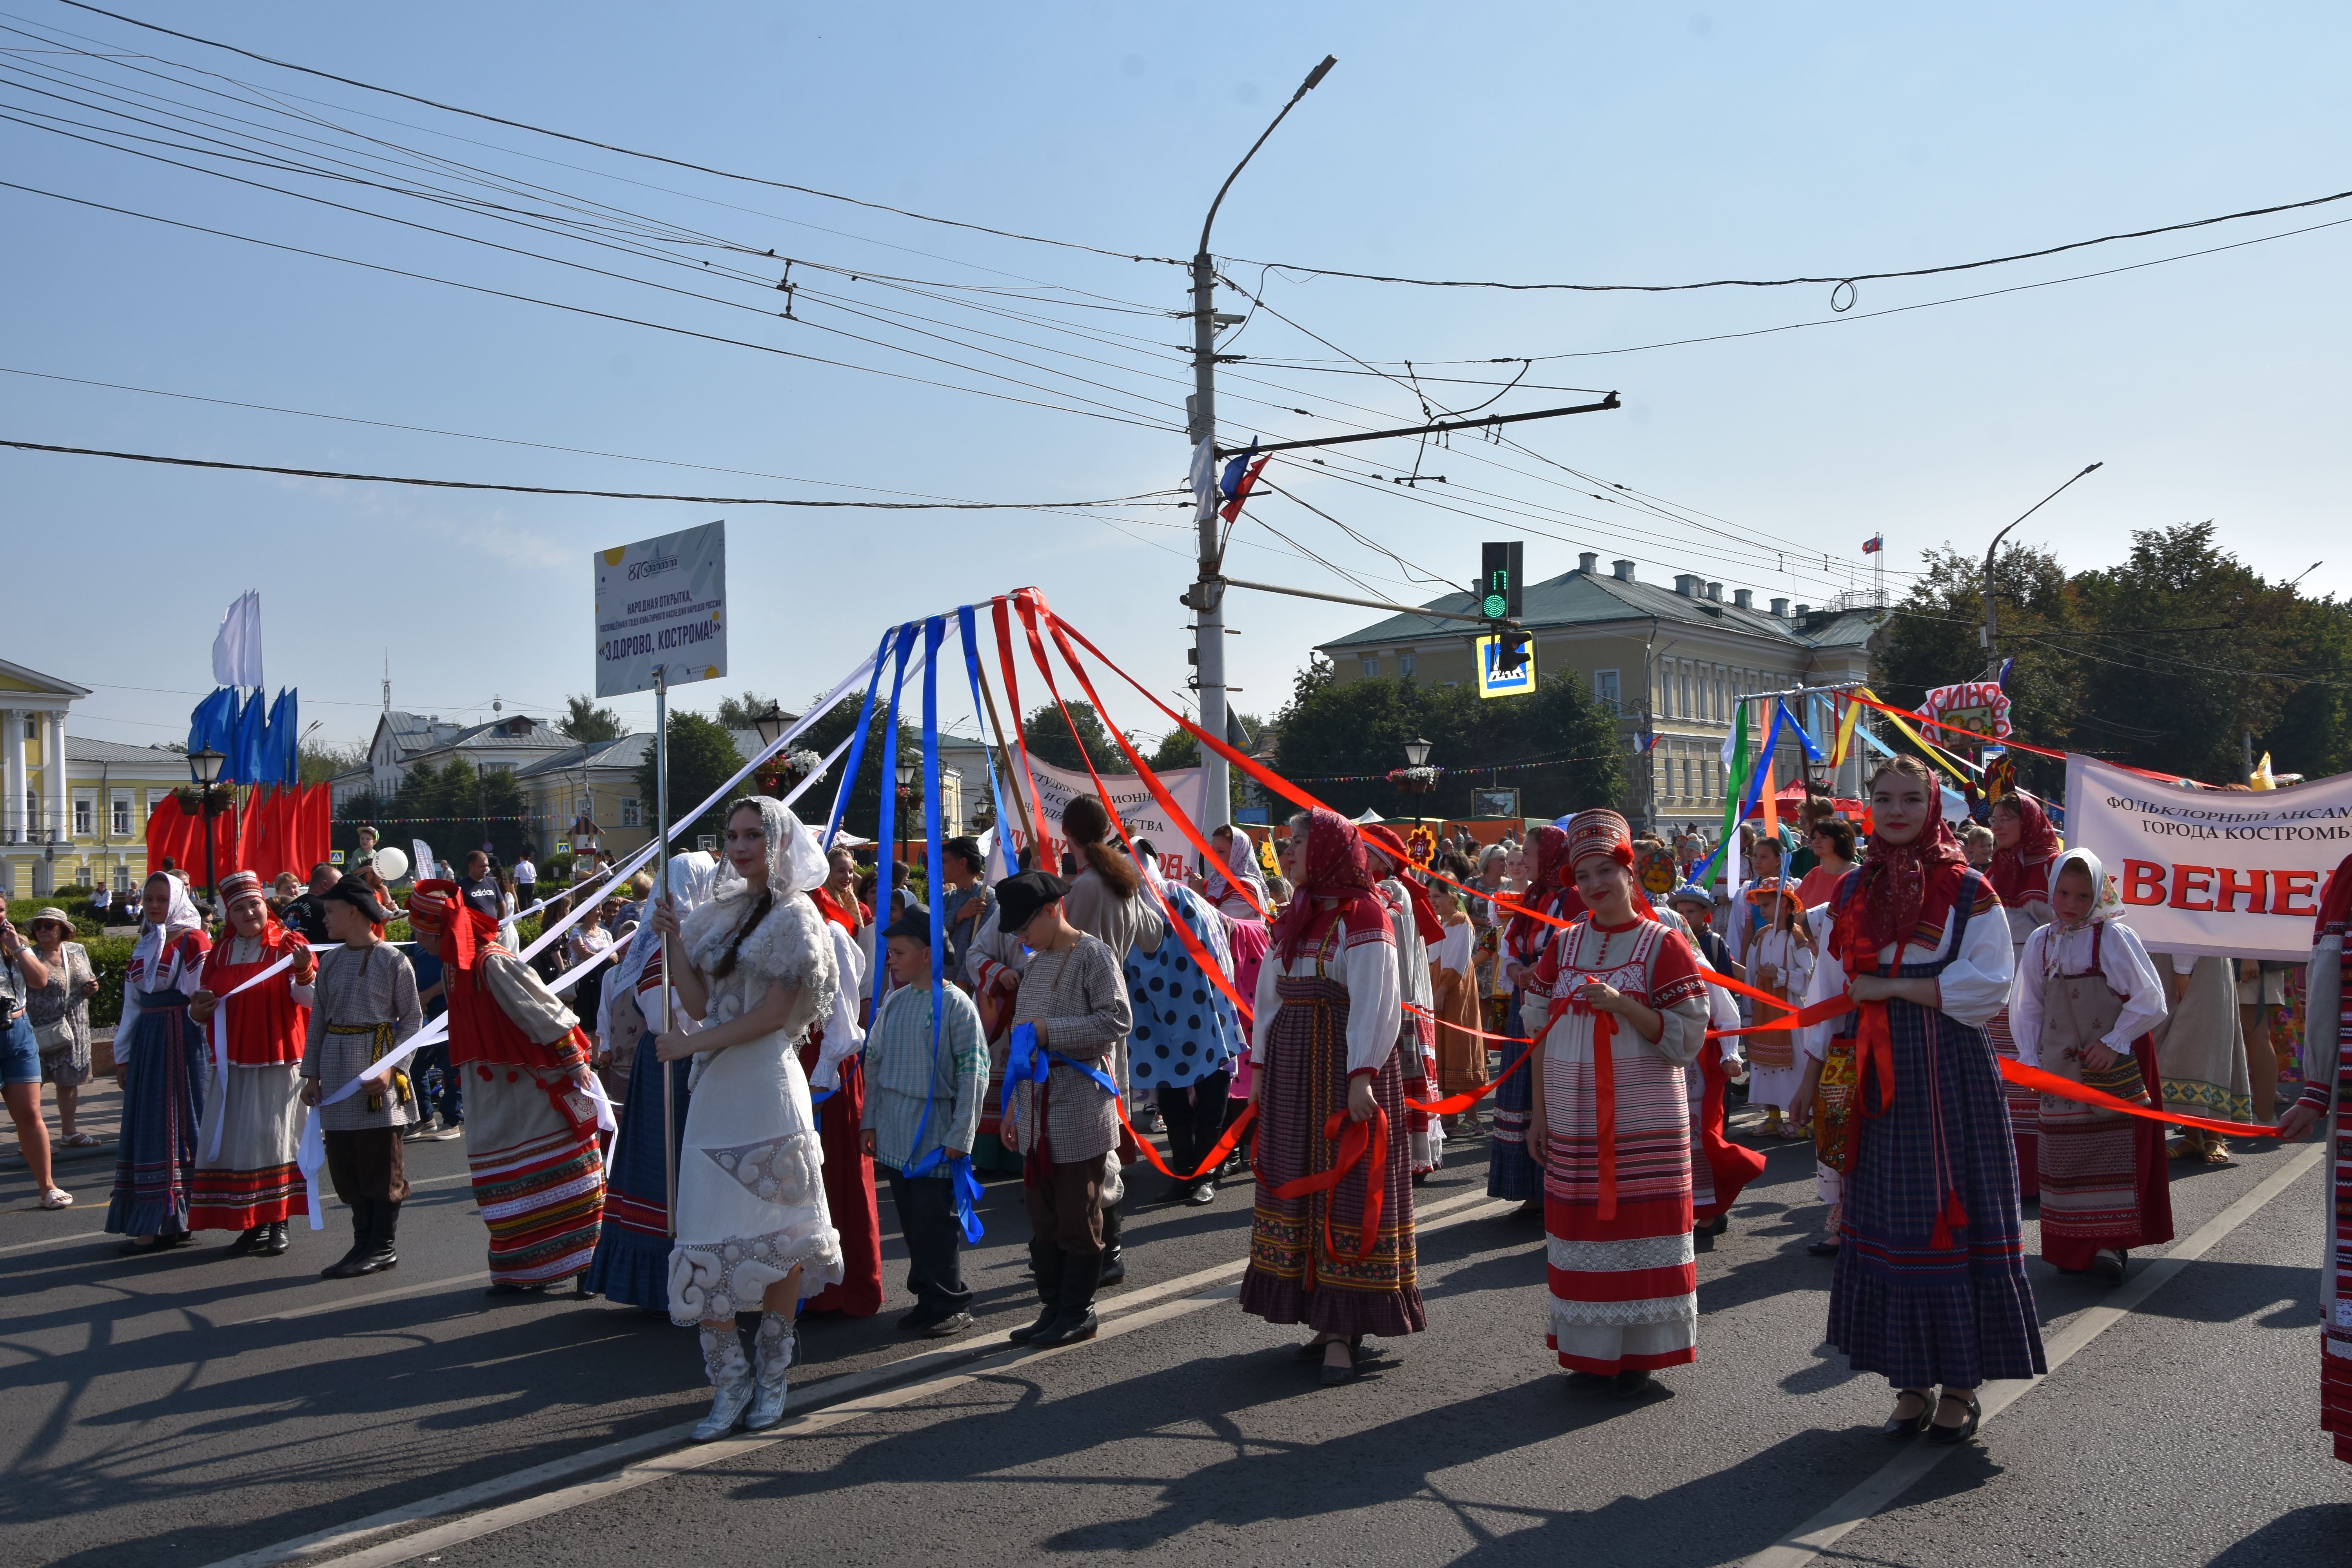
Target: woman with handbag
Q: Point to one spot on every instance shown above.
(22, 973)
(59, 1012)
(2085, 1001)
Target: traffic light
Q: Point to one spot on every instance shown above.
(1511, 654)
(1498, 580)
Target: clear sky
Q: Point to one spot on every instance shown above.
(1546, 142)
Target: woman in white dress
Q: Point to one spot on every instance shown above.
(758, 968)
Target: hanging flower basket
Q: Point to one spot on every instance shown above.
(789, 768)
(223, 797)
(1413, 781)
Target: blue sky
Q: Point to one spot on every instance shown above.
(1546, 142)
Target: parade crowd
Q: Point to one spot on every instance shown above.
(1319, 1014)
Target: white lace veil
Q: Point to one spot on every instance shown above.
(796, 863)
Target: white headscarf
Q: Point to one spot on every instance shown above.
(795, 862)
(688, 879)
(1241, 866)
(178, 922)
(1207, 922)
(2106, 903)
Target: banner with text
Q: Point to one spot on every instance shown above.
(2210, 872)
(661, 609)
(1130, 800)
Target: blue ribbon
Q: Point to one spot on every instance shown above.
(1025, 1061)
(858, 742)
(995, 787)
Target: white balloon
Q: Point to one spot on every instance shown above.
(391, 865)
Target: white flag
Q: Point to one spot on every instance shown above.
(1204, 475)
(237, 647)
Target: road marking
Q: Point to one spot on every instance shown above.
(1898, 1475)
(840, 1398)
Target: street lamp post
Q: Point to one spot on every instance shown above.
(1416, 752)
(204, 766)
(1991, 632)
(1206, 597)
(770, 722)
(906, 769)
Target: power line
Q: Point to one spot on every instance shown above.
(1844, 281)
(625, 151)
(609, 495)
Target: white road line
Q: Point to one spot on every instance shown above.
(1898, 1475)
(893, 1383)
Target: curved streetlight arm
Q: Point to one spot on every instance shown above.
(1992, 650)
(1316, 75)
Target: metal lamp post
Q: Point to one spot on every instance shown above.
(1416, 752)
(204, 766)
(770, 723)
(907, 771)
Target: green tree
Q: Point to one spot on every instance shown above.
(1339, 742)
(702, 756)
(862, 815)
(321, 762)
(742, 712)
(454, 808)
(1048, 739)
(586, 722)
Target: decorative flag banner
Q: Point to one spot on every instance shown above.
(237, 647)
(1874, 544)
(2235, 874)
(1239, 481)
(1203, 476)
(1978, 706)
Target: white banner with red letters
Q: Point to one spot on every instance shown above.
(2206, 872)
(1131, 797)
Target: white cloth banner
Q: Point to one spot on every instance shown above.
(2209, 872)
(237, 647)
(1131, 800)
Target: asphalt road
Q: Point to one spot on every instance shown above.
(199, 1409)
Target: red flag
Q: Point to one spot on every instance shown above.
(1232, 508)
(167, 832)
(318, 826)
(249, 838)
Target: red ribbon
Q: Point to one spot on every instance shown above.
(1360, 1142)
(2050, 1083)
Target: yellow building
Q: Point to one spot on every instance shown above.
(75, 810)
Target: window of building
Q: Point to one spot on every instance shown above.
(1688, 793)
(122, 826)
(1370, 666)
(1684, 706)
(1604, 687)
(630, 815)
(121, 880)
(84, 817)
(1406, 664)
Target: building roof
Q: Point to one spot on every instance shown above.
(17, 677)
(1583, 598)
(623, 752)
(80, 749)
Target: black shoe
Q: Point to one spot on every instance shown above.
(508, 1288)
(274, 1243)
(374, 1261)
(1114, 1266)
(1201, 1194)
(1629, 1384)
(1822, 1249)
(135, 1247)
(1898, 1429)
(1951, 1436)
(918, 1320)
(1046, 1318)
(1588, 1379)
(1177, 1193)
(1718, 1225)
(948, 1327)
(2109, 1265)
(1068, 1327)
(248, 1239)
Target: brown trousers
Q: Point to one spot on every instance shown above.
(1066, 1208)
(367, 1165)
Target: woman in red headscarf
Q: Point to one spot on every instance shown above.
(1930, 1285)
(2026, 846)
(1340, 1259)
(1510, 1173)
(246, 1178)
(1625, 1009)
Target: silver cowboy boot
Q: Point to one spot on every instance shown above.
(772, 1353)
(730, 1377)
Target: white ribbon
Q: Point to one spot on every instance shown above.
(220, 1041)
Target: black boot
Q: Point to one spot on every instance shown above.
(274, 1243)
(374, 1252)
(1046, 1262)
(1075, 1320)
(249, 1239)
(345, 1266)
(387, 1222)
(1114, 1258)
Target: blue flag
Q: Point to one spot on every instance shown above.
(212, 722)
(243, 764)
(281, 739)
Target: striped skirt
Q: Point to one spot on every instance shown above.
(255, 1181)
(2105, 1179)
(163, 1076)
(1624, 1290)
(632, 1261)
(1510, 1172)
(1918, 1314)
(538, 1178)
(2024, 1112)
(1293, 1275)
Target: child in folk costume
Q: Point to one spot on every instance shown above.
(924, 1084)
(1626, 1011)
(1720, 1169)
(247, 1179)
(757, 967)
(1930, 1285)
(1511, 1170)
(1780, 961)
(530, 1115)
(1328, 1017)
(2326, 1093)
(363, 1006)
(2084, 1000)
(2025, 846)
(160, 1057)
(1452, 978)
(1074, 996)
(632, 1261)
(1416, 924)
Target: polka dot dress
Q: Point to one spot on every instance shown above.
(1184, 1028)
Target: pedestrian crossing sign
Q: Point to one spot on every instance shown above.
(1493, 682)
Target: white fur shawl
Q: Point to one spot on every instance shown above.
(790, 947)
